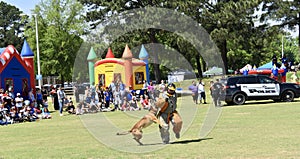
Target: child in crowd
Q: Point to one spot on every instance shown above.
(80, 108)
(45, 111)
(145, 102)
(70, 108)
(133, 104)
(125, 105)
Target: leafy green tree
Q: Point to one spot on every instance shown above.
(11, 32)
(102, 11)
(285, 13)
(60, 26)
(230, 23)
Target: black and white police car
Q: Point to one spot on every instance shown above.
(240, 89)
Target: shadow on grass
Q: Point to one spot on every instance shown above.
(179, 142)
(190, 141)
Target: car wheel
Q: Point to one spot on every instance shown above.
(239, 99)
(288, 96)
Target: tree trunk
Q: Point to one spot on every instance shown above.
(203, 65)
(199, 66)
(157, 72)
(224, 56)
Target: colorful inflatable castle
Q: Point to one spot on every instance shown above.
(131, 71)
(17, 70)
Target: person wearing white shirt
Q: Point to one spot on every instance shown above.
(201, 92)
(19, 101)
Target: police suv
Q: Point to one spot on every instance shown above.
(240, 89)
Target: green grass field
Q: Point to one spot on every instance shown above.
(254, 130)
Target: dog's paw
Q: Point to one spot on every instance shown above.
(138, 141)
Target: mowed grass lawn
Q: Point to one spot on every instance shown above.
(254, 130)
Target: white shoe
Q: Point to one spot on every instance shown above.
(61, 114)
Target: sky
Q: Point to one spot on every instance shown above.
(24, 5)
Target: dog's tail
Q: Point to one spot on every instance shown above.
(123, 133)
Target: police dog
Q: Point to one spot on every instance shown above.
(146, 121)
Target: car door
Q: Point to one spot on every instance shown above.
(270, 86)
(251, 86)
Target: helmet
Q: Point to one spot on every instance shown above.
(171, 89)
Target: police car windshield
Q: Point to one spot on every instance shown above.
(263, 79)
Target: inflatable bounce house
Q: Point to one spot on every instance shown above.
(131, 71)
(17, 70)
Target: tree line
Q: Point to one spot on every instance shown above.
(244, 31)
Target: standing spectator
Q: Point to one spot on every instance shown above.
(285, 70)
(45, 93)
(294, 77)
(31, 96)
(7, 101)
(100, 93)
(107, 97)
(54, 98)
(274, 74)
(19, 102)
(112, 88)
(76, 93)
(93, 91)
(39, 98)
(117, 99)
(274, 60)
(11, 92)
(61, 97)
(194, 90)
(201, 92)
(162, 86)
(122, 88)
(150, 90)
(216, 90)
(87, 94)
(145, 87)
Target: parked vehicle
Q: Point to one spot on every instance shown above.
(240, 89)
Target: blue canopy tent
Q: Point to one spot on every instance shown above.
(266, 66)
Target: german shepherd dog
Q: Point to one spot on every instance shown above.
(146, 121)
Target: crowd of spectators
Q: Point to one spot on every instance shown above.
(96, 98)
(15, 108)
(117, 97)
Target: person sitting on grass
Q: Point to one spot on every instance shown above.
(82, 108)
(145, 102)
(29, 113)
(133, 104)
(45, 110)
(70, 107)
(93, 106)
(125, 105)
(79, 108)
